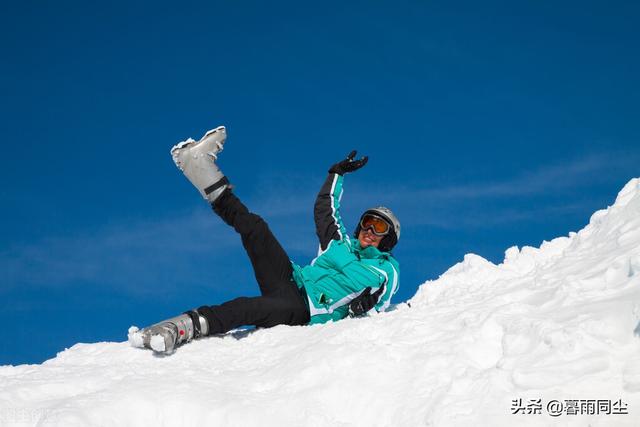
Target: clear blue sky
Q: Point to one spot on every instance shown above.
(488, 125)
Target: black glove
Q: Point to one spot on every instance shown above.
(365, 301)
(349, 164)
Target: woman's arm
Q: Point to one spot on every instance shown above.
(326, 212)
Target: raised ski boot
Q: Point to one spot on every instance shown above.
(164, 337)
(196, 159)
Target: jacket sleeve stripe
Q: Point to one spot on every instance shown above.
(336, 190)
(394, 289)
(389, 292)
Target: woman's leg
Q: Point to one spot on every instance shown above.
(281, 301)
(286, 307)
(271, 264)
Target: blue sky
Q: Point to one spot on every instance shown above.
(488, 125)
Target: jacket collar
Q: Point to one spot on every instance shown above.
(369, 251)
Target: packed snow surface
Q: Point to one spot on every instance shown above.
(555, 323)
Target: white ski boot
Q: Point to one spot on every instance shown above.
(164, 337)
(196, 159)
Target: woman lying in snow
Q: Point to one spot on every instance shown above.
(348, 277)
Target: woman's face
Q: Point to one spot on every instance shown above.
(367, 238)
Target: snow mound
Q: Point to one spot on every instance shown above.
(549, 323)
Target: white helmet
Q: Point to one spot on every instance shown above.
(389, 241)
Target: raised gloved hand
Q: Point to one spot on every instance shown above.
(365, 301)
(349, 164)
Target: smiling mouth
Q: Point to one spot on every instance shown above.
(369, 238)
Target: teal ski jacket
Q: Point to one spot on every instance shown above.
(342, 269)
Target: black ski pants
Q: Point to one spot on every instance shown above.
(281, 302)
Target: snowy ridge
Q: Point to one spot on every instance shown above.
(550, 323)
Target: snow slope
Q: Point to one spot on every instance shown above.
(550, 323)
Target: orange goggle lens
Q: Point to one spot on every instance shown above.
(379, 226)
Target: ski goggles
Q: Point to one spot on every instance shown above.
(378, 225)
